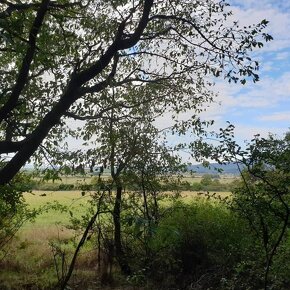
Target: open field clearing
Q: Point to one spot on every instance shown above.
(29, 261)
(71, 199)
(38, 198)
(77, 204)
(190, 195)
(81, 179)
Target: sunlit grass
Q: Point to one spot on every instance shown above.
(73, 200)
(77, 204)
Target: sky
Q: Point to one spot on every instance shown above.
(262, 107)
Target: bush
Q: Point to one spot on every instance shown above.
(46, 186)
(196, 186)
(13, 210)
(64, 186)
(210, 183)
(194, 241)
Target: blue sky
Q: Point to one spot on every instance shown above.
(262, 107)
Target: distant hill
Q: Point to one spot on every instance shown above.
(230, 168)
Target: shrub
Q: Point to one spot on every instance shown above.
(196, 186)
(64, 186)
(13, 210)
(193, 241)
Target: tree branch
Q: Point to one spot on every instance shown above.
(12, 7)
(172, 17)
(106, 82)
(71, 94)
(26, 63)
(117, 45)
(10, 146)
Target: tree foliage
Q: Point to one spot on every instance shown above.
(60, 61)
(262, 195)
(14, 212)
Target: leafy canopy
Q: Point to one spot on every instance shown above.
(60, 61)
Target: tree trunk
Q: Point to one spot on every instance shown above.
(120, 255)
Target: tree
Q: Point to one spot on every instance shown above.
(131, 147)
(262, 196)
(60, 59)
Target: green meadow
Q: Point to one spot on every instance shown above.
(30, 257)
(73, 200)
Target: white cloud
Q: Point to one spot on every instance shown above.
(279, 20)
(245, 132)
(277, 116)
(268, 92)
(272, 91)
(282, 5)
(283, 55)
(234, 100)
(238, 101)
(267, 66)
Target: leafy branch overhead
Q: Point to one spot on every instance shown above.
(60, 61)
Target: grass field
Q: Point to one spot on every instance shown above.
(52, 223)
(75, 203)
(29, 257)
(72, 199)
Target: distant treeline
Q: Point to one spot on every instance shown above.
(208, 182)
